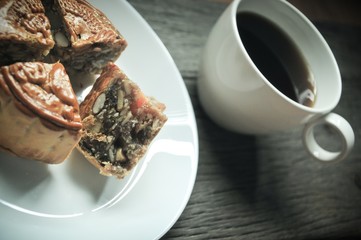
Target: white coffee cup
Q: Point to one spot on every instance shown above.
(237, 96)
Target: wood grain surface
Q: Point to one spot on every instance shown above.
(265, 187)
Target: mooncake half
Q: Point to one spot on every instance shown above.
(39, 112)
(86, 40)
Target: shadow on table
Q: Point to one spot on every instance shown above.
(249, 175)
(228, 157)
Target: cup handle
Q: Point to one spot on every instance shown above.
(342, 127)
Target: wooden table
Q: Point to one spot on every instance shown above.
(266, 187)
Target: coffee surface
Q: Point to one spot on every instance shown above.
(277, 57)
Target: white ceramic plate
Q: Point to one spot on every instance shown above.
(72, 201)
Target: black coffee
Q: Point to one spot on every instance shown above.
(277, 57)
